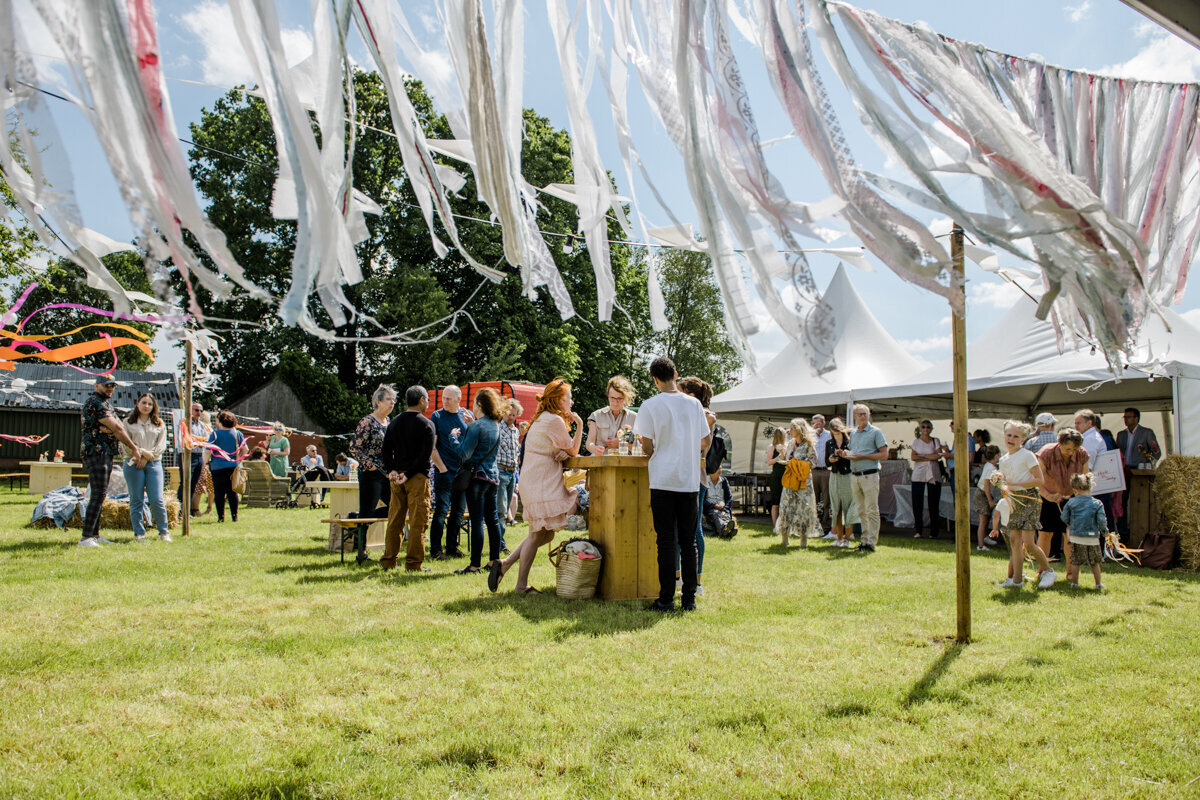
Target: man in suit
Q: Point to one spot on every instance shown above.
(1137, 445)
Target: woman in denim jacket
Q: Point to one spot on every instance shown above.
(478, 450)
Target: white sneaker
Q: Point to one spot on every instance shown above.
(1048, 579)
(89, 542)
(678, 584)
(981, 548)
(830, 535)
(1100, 587)
(102, 540)
(139, 538)
(1009, 583)
(1073, 585)
(166, 537)
(699, 590)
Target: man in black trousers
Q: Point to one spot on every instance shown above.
(675, 433)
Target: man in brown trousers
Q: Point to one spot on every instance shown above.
(407, 445)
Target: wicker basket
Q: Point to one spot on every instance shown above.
(575, 577)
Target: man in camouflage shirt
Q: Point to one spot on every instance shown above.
(101, 432)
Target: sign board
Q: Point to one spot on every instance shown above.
(1108, 474)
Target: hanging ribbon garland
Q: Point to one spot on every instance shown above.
(28, 441)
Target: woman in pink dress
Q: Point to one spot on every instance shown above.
(545, 501)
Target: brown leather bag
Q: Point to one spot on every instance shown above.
(1158, 549)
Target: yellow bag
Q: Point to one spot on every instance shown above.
(795, 475)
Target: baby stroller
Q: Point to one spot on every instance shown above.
(299, 491)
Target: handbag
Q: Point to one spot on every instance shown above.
(237, 481)
(1158, 549)
(462, 479)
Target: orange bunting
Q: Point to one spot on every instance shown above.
(79, 350)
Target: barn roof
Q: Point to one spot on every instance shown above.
(53, 387)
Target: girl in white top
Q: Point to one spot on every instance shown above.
(143, 469)
(985, 494)
(1021, 474)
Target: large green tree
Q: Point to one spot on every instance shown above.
(501, 335)
(696, 339)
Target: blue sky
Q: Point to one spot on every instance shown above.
(199, 47)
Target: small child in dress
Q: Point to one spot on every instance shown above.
(1086, 523)
(986, 495)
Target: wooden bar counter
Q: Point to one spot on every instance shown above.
(46, 476)
(619, 519)
(1143, 508)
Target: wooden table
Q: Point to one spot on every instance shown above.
(343, 499)
(619, 519)
(46, 476)
(1143, 508)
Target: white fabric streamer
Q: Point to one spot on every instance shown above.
(1094, 179)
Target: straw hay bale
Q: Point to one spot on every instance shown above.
(113, 516)
(1177, 489)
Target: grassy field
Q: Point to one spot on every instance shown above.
(246, 661)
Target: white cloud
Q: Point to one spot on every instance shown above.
(1077, 13)
(1000, 295)
(1164, 57)
(224, 62)
(930, 344)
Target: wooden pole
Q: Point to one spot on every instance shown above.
(185, 468)
(962, 462)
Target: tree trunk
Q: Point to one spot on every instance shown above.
(347, 358)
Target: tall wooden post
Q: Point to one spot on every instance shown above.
(962, 462)
(185, 468)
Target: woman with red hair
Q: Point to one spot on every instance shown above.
(544, 498)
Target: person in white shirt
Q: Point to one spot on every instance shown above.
(675, 433)
(1021, 474)
(1087, 422)
(314, 468)
(820, 474)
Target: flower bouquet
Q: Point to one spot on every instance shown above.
(58, 456)
(996, 478)
(1149, 453)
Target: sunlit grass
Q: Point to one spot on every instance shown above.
(246, 661)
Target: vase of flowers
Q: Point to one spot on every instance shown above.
(58, 456)
(1148, 453)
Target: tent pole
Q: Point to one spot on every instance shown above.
(185, 468)
(962, 462)
(1169, 431)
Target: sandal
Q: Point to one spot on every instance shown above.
(467, 571)
(529, 590)
(494, 575)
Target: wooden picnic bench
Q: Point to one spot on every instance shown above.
(345, 527)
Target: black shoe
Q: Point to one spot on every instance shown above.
(439, 557)
(661, 607)
(688, 605)
(504, 551)
(361, 558)
(866, 548)
(455, 554)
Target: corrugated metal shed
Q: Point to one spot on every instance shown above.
(59, 388)
(38, 399)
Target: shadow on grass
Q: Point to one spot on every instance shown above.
(274, 788)
(779, 549)
(586, 617)
(36, 545)
(356, 574)
(923, 689)
(1013, 597)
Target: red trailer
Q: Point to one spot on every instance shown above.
(525, 393)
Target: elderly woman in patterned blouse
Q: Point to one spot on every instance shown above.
(367, 448)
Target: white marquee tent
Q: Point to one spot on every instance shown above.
(865, 354)
(1015, 370)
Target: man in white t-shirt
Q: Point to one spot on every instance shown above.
(675, 434)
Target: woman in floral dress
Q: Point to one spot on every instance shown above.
(798, 507)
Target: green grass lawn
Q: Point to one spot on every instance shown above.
(246, 661)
